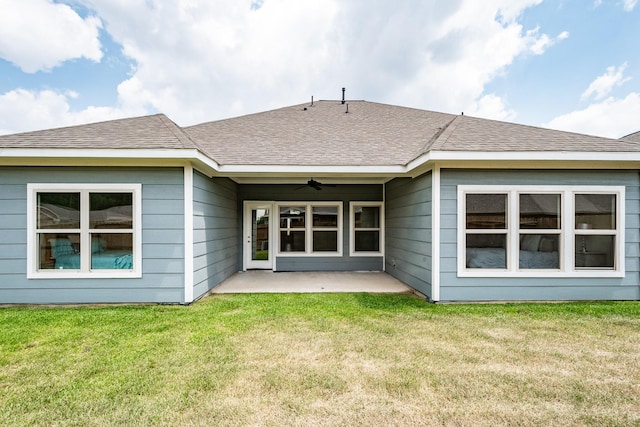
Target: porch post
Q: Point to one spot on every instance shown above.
(188, 233)
(435, 235)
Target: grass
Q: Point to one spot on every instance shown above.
(321, 359)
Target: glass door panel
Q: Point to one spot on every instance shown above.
(257, 230)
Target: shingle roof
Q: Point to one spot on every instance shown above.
(634, 137)
(155, 131)
(474, 134)
(322, 134)
(325, 134)
(375, 134)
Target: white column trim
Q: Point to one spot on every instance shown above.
(435, 234)
(188, 233)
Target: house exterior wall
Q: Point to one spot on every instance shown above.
(302, 193)
(162, 238)
(454, 288)
(409, 231)
(215, 232)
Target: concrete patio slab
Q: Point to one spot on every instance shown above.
(261, 281)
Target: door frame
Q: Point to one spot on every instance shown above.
(247, 225)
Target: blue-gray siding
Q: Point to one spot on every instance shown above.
(162, 238)
(215, 232)
(340, 193)
(408, 231)
(453, 288)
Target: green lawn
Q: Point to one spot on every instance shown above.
(321, 359)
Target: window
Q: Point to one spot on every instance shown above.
(310, 229)
(531, 231)
(366, 228)
(80, 230)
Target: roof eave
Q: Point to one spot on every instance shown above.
(106, 157)
(523, 159)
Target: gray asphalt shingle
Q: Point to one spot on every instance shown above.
(149, 132)
(325, 134)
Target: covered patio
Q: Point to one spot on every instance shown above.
(266, 281)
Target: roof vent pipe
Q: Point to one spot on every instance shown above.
(312, 100)
(343, 90)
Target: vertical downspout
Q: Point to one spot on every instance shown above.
(435, 234)
(188, 233)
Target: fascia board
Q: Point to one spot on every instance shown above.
(305, 170)
(493, 157)
(95, 157)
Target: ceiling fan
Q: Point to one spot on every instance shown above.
(315, 184)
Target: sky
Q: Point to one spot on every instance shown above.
(571, 65)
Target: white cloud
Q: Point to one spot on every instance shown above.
(199, 61)
(540, 43)
(22, 110)
(604, 84)
(207, 60)
(493, 107)
(37, 35)
(628, 5)
(611, 118)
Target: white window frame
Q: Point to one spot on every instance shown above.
(352, 229)
(309, 229)
(567, 232)
(33, 271)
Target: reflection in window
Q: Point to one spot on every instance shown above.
(563, 229)
(486, 250)
(110, 210)
(309, 228)
(486, 211)
(595, 224)
(595, 211)
(540, 211)
(325, 228)
(84, 230)
(58, 210)
(366, 228)
(292, 219)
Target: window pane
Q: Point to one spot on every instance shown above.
(111, 210)
(367, 216)
(595, 211)
(58, 210)
(292, 241)
(259, 234)
(292, 217)
(325, 216)
(325, 241)
(486, 251)
(60, 251)
(593, 251)
(539, 251)
(367, 241)
(540, 211)
(486, 211)
(112, 251)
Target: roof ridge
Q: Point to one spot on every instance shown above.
(440, 138)
(631, 137)
(178, 131)
(434, 140)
